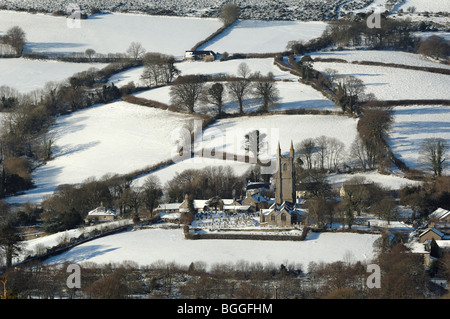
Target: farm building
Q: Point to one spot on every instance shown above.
(200, 55)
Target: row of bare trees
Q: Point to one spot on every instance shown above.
(187, 90)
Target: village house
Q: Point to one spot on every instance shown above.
(440, 219)
(201, 205)
(100, 214)
(431, 233)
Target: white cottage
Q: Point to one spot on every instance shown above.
(101, 214)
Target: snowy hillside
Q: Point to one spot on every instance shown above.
(254, 36)
(27, 75)
(169, 35)
(116, 138)
(412, 124)
(394, 57)
(283, 128)
(393, 83)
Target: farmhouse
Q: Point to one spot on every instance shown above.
(101, 214)
(200, 55)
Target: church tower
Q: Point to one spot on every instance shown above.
(285, 177)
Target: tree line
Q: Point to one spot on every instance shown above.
(402, 277)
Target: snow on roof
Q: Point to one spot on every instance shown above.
(101, 211)
(288, 207)
(439, 214)
(236, 207)
(259, 198)
(173, 216)
(169, 206)
(434, 230)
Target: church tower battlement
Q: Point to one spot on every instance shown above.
(285, 177)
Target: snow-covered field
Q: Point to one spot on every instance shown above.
(413, 124)
(390, 182)
(292, 94)
(426, 5)
(109, 33)
(27, 75)
(116, 138)
(283, 128)
(255, 36)
(397, 57)
(388, 83)
(170, 246)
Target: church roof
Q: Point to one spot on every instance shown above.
(287, 207)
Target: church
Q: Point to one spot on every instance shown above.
(285, 210)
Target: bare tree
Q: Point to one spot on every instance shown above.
(306, 151)
(135, 51)
(90, 54)
(244, 70)
(187, 90)
(433, 154)
(239, 89)
(358, 153)
(265, 89)
(15, 37)
(215, 96)
(336, 152)
(322, 150)
(152, 192)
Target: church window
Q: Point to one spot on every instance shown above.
(283, 217)
(284, 167)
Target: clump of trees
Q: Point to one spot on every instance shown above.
(158, 69)
(370, 149)
(426, 198)
(323, 152)
(205, 184)
(15, 37)
(229, 13)
(435, 46)
(434, 154)
(69, 204)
